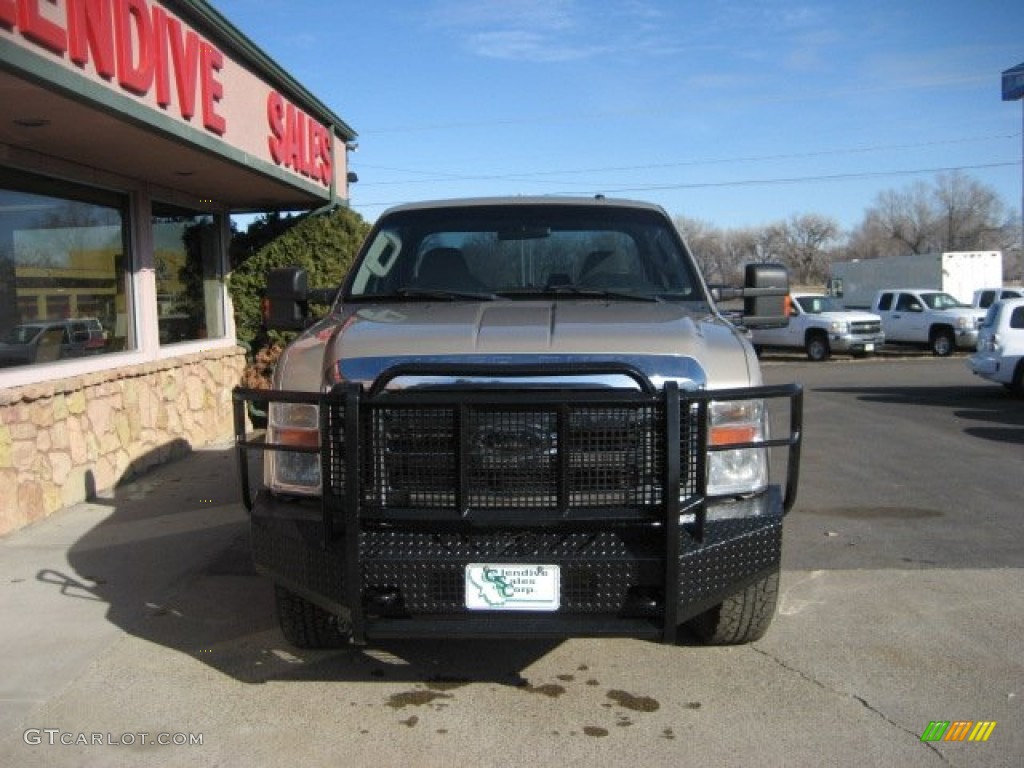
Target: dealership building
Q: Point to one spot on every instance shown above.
(130, 131)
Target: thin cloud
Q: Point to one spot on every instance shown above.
(545, 31)
(939, 66)
(528, 45)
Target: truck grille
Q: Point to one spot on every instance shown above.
(488, 455)
(866, 327)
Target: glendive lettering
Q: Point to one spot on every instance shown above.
(297, 141)
(139, 45)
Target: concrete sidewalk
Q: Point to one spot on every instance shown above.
(141, 614)
(72, 583)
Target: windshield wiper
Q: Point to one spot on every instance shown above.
(586, 293)
(444, 294)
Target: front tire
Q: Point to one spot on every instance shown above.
(306, 625)
(741, 618)
(943, 343)
(817, 347)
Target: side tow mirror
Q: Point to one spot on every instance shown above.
(765, 296)
(286, 301)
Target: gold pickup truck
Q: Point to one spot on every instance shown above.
(522, 417)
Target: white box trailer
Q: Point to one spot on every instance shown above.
(958, 273)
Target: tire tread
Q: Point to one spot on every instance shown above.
(740, 618)
(306, 625)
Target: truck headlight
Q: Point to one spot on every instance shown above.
(737, 471)
(965, 323)
(293, 425)
(839, 326)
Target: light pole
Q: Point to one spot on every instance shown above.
(1013, 90)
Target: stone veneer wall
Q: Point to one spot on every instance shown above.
(63, 441)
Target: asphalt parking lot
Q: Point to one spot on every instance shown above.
(137, 619)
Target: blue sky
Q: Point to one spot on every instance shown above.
(738, 113)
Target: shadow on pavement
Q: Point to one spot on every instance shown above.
(988, 405)
(172, 562)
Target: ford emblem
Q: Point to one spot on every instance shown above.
(510, 443)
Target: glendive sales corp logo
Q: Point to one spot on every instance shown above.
(505, 587)
(958, 730)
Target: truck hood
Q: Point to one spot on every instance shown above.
(664, 340)
(849, 315)
(955, 312)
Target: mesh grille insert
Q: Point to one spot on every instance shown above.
(505, 456)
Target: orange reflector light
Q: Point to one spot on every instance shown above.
(302, 438)
(732, 435)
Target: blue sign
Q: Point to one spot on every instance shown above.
(1013, 83)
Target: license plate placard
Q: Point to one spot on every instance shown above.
(512, 587)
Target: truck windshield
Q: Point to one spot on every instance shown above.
(524, 251)
(940, 301)
(815, 305)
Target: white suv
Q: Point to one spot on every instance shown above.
(1000, 353)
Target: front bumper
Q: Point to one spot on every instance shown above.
(840, 342)
(967, 339)
(411, 582)
(611, 491)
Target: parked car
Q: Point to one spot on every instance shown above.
(985, 297)
(821, 325)
(1000, 353)
(45, 341)
(92, 326)
(934, 319)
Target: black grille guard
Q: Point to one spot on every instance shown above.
(346, 405)
(664, 482)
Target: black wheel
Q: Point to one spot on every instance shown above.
(817, 347)
(742, 618)
(306, 625)
(943, 343)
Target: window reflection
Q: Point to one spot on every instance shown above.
(64, 281)
(189, 279)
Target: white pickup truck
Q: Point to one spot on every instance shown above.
(929, 318)
(821, 325)
(986, 297)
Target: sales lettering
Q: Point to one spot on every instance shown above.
(297, 141)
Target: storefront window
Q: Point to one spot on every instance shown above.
(64, 274)
(189, 278)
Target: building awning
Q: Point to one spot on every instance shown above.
(56, 108)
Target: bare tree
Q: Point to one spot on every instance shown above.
(705, 241)
(722, 253)
(807, 238)
(901, 221)
(738, 247)
(955, 212)
(770, 243)
(970, 215)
